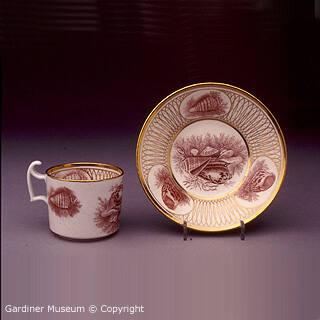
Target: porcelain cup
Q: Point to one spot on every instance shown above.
(83, 198)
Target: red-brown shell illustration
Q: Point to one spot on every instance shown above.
(63, 202)
(207, 161)
(171, 195)
(209, 103)
(108, 211)
(259, 179)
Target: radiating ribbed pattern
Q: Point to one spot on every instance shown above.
(160, 132)
(256, 128)
(218, 213)
(88, 174)
(253, 124)
(100, 174)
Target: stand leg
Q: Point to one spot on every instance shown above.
(242, 230)
(185, 231)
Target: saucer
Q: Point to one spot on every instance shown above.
(211, 154)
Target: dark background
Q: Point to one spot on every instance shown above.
(78, 79)
(62, 59)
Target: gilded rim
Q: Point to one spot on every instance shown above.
(260, 105)
(111, 167)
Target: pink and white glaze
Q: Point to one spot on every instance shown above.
(211, 154)
(79, 208)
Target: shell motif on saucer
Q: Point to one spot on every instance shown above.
(212, 155)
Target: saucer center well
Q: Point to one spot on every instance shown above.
(209, 159)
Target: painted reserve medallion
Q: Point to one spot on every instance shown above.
(63, 202)
(211, 154)
(107, 215)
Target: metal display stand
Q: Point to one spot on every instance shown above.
(242, 230)
(185, 231)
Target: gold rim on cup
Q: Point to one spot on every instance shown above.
(70, 165)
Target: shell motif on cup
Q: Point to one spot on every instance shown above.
(107, 215)
(63, 202)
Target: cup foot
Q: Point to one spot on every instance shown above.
(83, 240)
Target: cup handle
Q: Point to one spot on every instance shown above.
(31, 172)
